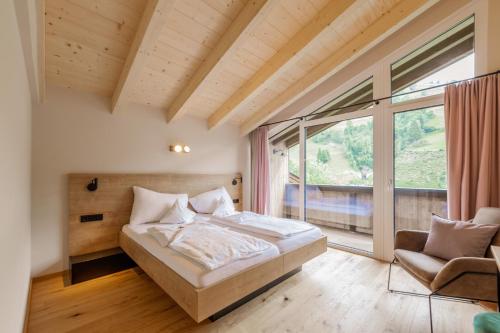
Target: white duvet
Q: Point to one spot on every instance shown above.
(264, 224)
(207, 244)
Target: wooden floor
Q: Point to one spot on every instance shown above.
(336, 292)
(353, 239)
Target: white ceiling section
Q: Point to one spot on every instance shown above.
(221, 60)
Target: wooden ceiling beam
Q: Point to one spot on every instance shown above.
(249, 17)
(391, 20)
(278, 63)
(150, 26)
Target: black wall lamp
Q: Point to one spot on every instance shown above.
(92, 186)
(235, 180)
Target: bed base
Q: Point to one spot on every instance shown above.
(201, 303)
(253, 295)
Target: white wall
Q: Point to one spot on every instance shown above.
(15, 152)
(75, 132)
(492, 61)
(26, 11)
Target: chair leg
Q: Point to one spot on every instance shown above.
(430, 312)
(389, 278)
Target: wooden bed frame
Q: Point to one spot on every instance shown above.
(201, 303)
(114, 199)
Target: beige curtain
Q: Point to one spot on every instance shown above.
(473, 146)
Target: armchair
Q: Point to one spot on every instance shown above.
(463, 279)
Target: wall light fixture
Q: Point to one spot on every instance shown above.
(180, 148)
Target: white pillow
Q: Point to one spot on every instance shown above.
(207, 202)
(151, 206)
(178, 214)
(224, 208)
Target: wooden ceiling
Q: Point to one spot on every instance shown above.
(221, 60)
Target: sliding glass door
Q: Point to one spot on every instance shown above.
(338, 179)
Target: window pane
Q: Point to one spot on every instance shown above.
(361, 95)
(445, 59)
(419, 167)
(460, 70)
(419, 149)
(341, 154)
(293, 161)
(339, 181)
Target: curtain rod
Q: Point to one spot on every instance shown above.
(376, 101)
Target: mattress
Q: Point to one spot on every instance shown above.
(191, 271)
(284, 244)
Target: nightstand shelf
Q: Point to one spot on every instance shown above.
(93, 265)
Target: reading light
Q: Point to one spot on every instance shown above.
(235, 180)
(92, 186)
(187, 149)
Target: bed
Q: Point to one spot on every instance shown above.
(283, 244)
(201, 294)
(183, 266)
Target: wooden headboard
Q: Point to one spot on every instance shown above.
(114, 198)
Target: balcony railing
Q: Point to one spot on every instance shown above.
(351, 207)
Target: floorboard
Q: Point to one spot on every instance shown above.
(336, 292)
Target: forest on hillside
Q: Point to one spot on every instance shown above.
(342, 154)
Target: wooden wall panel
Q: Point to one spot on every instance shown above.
(114, 199)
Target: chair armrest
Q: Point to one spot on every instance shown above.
(458, 266)
(411, 240)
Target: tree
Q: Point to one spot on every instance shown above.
(414, 132)
(317, 173)
(409, 127)
(328, 136)
(358, 142)
(323, 156)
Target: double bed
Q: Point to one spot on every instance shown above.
(200, 292)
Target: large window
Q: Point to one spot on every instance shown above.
(419, 143)
(348, 184)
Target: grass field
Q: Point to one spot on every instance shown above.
(423, 164)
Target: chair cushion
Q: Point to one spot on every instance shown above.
(454, 239)
(422, 266)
